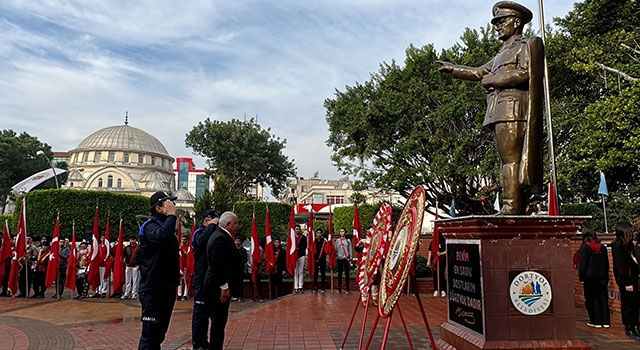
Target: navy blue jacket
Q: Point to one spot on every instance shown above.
(199, 241)
(158, 254)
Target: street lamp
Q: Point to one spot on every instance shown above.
(41, 153)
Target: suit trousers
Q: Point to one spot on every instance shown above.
(219, 318)
(157, 306)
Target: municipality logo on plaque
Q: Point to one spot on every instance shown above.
(530, 293)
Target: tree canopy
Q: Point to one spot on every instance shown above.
(594, 63)
(244, 153)
(18, 159)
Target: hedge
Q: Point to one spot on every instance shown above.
(79, 207)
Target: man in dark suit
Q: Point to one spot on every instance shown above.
(224, 275)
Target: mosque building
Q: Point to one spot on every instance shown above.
(123, 159)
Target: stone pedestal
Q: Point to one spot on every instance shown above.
(485, 254)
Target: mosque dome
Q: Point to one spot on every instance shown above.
(184, 196)
(122, 138)
(123, 159)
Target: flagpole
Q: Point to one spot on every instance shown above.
(58, 294)
(604, 208)
(547, 98)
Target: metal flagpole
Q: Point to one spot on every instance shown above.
(552, 154)
(604, 208)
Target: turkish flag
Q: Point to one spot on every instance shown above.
(292, 251)
(93, 275)
(20, 250)
(72, 266)
(269, 253)
(311, 246)
(118, 265)
(255, 250)
(5, 250)
(54, 257)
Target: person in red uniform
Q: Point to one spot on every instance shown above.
(183, 288)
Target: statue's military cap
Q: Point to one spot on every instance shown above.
(508, 8)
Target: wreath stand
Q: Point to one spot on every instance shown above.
(387, 326)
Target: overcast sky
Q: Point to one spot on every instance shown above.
(69, 68)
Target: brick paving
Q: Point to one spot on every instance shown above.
(307, 321)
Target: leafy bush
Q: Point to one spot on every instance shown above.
(78, 207)
(278, 216)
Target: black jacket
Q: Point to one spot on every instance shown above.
(625, 270)
(200, 240)
(157, 255)
(281, 260)
(223, 265)
(594, 262)
(301, 245)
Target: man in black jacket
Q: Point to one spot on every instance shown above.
(159, 263)
(224, 275)
(201, 311)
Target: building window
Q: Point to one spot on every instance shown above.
(109, 181)
(153, 160)
(119, 183)
(96, 157)
(126, 157)
(86, 157)
(183, 176)
(318, 198)
(112, 157)
(71, 184)
(100, 183)
(335, 199)
(140, 159)
(305, 189)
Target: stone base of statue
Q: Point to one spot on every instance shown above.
(510, 282)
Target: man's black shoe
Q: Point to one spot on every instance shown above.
(632, 333)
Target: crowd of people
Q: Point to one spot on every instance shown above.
(592, 262)
(156, 271)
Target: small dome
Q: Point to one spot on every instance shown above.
(184, 196)
(122, 138)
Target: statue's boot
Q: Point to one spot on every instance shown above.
(512, 200)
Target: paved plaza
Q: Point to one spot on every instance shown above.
(306, 321)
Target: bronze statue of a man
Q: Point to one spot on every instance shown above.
(513, 81)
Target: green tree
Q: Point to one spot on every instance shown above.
(411, 125)
(204, 202)
(223, 199)
(594, 64)
(18, 160)
(244, 152)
